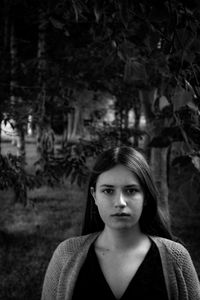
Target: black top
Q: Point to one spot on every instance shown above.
(147, 283)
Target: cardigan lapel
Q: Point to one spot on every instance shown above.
(72, 267)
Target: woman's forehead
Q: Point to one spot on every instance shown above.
(118, 175)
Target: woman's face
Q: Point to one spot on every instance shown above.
(119, 198)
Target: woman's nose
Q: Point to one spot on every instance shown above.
(120, 200)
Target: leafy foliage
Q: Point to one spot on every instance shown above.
(113, 46)
(183, 125)
(13, 175)
(75, 160)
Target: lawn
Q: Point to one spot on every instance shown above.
(28, 235)
(184, 200)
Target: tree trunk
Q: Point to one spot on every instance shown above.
(13, 71)
(0, 134)
(30, 130)
(69, 124)
(147, 98)
(21, 149)
(72, 122)
(19, 140)
(76, 122)
(126, 118)
(40, 118)
(6, 26)
(157, 156)
(137, 112)
(21, 189)
(158, 163)
(65, 131)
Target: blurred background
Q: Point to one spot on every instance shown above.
(79, 76)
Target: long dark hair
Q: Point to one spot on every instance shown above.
(152, 222)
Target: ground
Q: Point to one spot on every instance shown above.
(29, 235)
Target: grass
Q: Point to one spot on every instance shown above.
(29, 235)
(184, 203)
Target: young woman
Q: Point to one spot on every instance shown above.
(126, 250)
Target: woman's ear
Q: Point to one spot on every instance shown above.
(92, 191)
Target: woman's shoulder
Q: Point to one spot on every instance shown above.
(174, 254)
(73, 244)
(172, 248)
(171, 245)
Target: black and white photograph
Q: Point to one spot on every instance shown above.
(99, 149)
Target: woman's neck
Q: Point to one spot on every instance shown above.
(120, 240)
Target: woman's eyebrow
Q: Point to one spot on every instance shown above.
(132, 185)
(126, 186)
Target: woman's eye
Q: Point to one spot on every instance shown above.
(131, 191)
(108, 191)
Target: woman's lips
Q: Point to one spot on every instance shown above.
(120, 215)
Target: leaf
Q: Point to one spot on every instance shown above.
(68, 171)
(181, 97)
(159, 13)
(163, 102)
(166, 137)
(134, 71)
(153, 39)
(56, 23)
(97, 14)
(66, 32)
(193, 133)
(195, 46)
(74, 176)
(98, 9)
(80, 180)
(196, 162)
(124, 8)
(121, 56)
(181, 161)
(114, 44)
(180, 39)
(76, 10)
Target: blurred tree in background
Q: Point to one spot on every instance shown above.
(92, 71)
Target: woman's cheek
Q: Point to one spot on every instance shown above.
(103, 209)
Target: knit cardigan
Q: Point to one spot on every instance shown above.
(180, 276)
